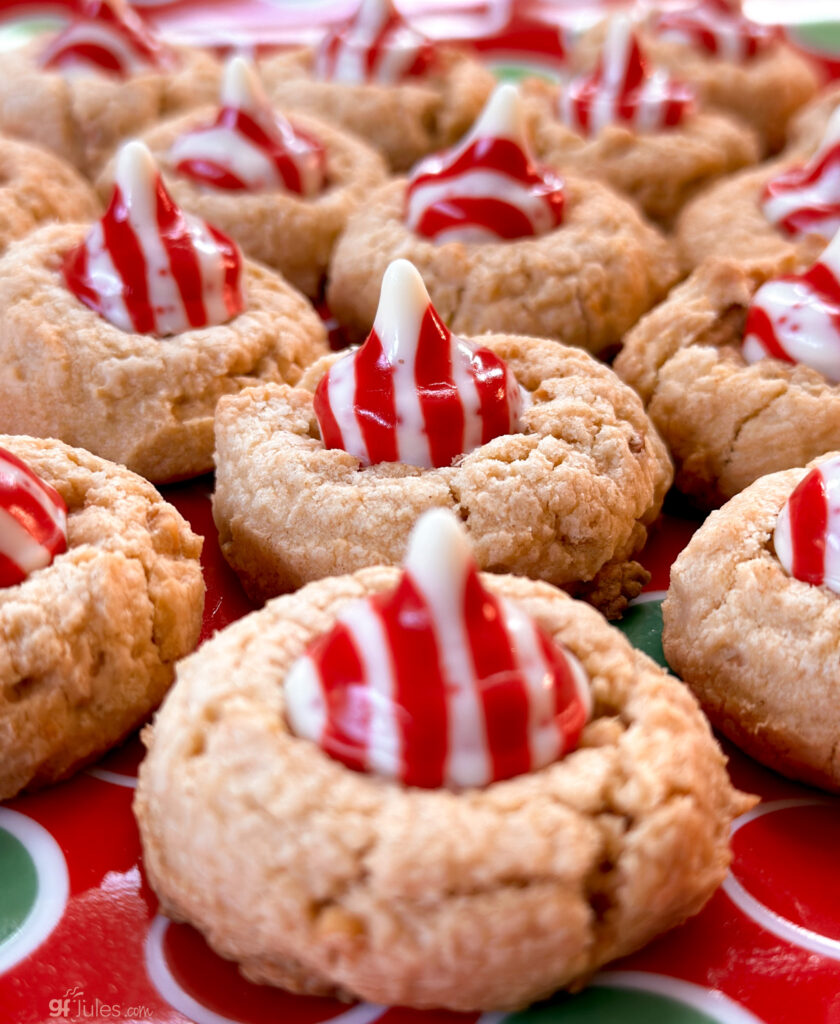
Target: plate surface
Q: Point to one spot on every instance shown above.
(80, 937)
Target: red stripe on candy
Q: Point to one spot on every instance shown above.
(808, 507)
(346, 697)
(183, 260)
(129, 262)
(374, 403)
(502, 691)
(760, 324)
(420, 689)
(440, 401)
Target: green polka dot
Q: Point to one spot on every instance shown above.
(611, 1006)
(16, 33)
(823, 36)
(642, 625)
(18, 885)
(507, 72)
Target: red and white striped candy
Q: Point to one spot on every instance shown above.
(106, 37)
(487, 187)
(716, 26)
(807, 534)
(806, 199)
(33, 521)
(796, 318)
(623, 91)
(249, 146)
(414, 392)
(147, 266)
(439, 683)
(375, 45)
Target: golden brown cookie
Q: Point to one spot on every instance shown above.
(727, 222)
(403, 121)
(764, 93)
(82, 117)
(88, 644)
(758, 647)
(137, 399)
(568, 499)
(806, 130)
(584, 283)
(725, 422)
(35, 187)
(480, 899)
(294, 234)
(660, 170)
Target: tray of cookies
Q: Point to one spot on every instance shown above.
(419, 512)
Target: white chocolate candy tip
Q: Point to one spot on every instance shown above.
(241, 86)
(439, 553)
(373, 11)
(502, 116)
(403, 300)
(136, 170)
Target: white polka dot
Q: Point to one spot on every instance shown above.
(768, 919)
(115, 778)
(178, 998)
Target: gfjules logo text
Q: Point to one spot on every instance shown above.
(75, 1006)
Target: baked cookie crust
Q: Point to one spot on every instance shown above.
(136, 399)
(35, 187)
(568, 500)
(294, 234)
(88, 645)
(661, 170)
(807, 129)
(584, 284)
(327, 881)
(757, 646)
(403, 122)
(82, 118)
(727, 222)
(763, 93)
(726, 423)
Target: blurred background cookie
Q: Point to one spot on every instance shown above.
(504, 243)
(120, 336)
(282, 189)
(378, 77)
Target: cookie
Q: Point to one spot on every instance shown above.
(769, 213)
(290, 223)
(101, 79)
(756, 644)
(332, 880)
(807, 129)
(563, 490)
(531, 253)
(89, 642)
(36, 187)
(736, 66)
(141, 387)
(636, 129)
(726, 421)
(377, 77)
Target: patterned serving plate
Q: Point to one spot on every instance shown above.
(80, 936)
